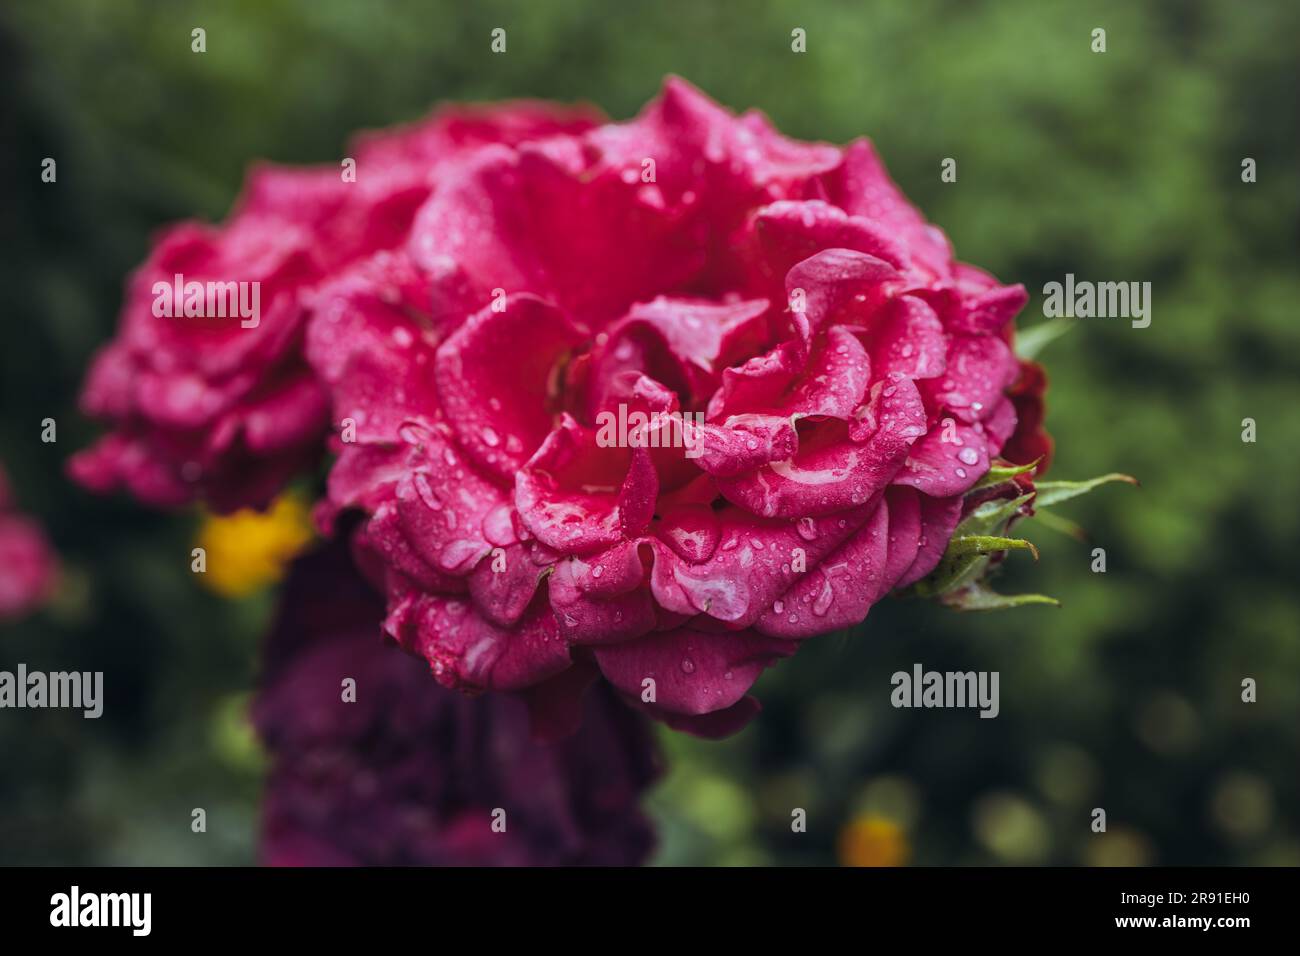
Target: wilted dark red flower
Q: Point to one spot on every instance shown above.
(659, 398)
(410, 773)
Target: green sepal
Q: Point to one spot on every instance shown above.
(1031, 341)
(991, 516)
(1050, 519)
(978, 536)
(988, 544)
(978, 597)
(1054, 492)
(959, 580)
(997, 474)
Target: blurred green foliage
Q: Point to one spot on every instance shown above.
(1117, 166)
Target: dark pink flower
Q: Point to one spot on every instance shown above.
(28, 567)
(412, 774)
(221, 405)
(658, 400)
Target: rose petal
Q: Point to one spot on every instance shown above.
(939, 517)
(947, 461)
(572, 493)
(837, 468)
(979, 369)
(494, 378)
(908, 342)
(840, 591)
(693, 672)
(468, 652)
(755, 562)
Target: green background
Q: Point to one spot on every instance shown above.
(1121, 166)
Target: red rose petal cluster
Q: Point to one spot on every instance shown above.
(224, 408)
(653, 401)
(806, 381)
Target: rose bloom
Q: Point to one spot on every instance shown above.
(411, 774)
(224, 408)
(833, 381)
(28, 567)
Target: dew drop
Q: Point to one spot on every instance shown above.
(824, 600)
(426, 493)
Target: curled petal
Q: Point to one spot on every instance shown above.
(979, 370)
(495, 376)
(755, 562)
(692, 672)
(467, 651)
(947, 461)
(573, 494)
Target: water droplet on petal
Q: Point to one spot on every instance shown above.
(825, 599)
(426, 493)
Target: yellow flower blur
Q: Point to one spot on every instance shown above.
(872, 840)
(249, 549)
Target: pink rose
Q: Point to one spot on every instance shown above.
(28, 568)
(209, 395)
(656, 401)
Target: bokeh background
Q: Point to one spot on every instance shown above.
(1117, 166)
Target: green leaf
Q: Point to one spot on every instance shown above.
(1031, 341)
(1065, 526)
(988, 544)
(967, 555)
(990, 516)
(1000, 473)
(977, 597)
(1054, 492)
(959, 578)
